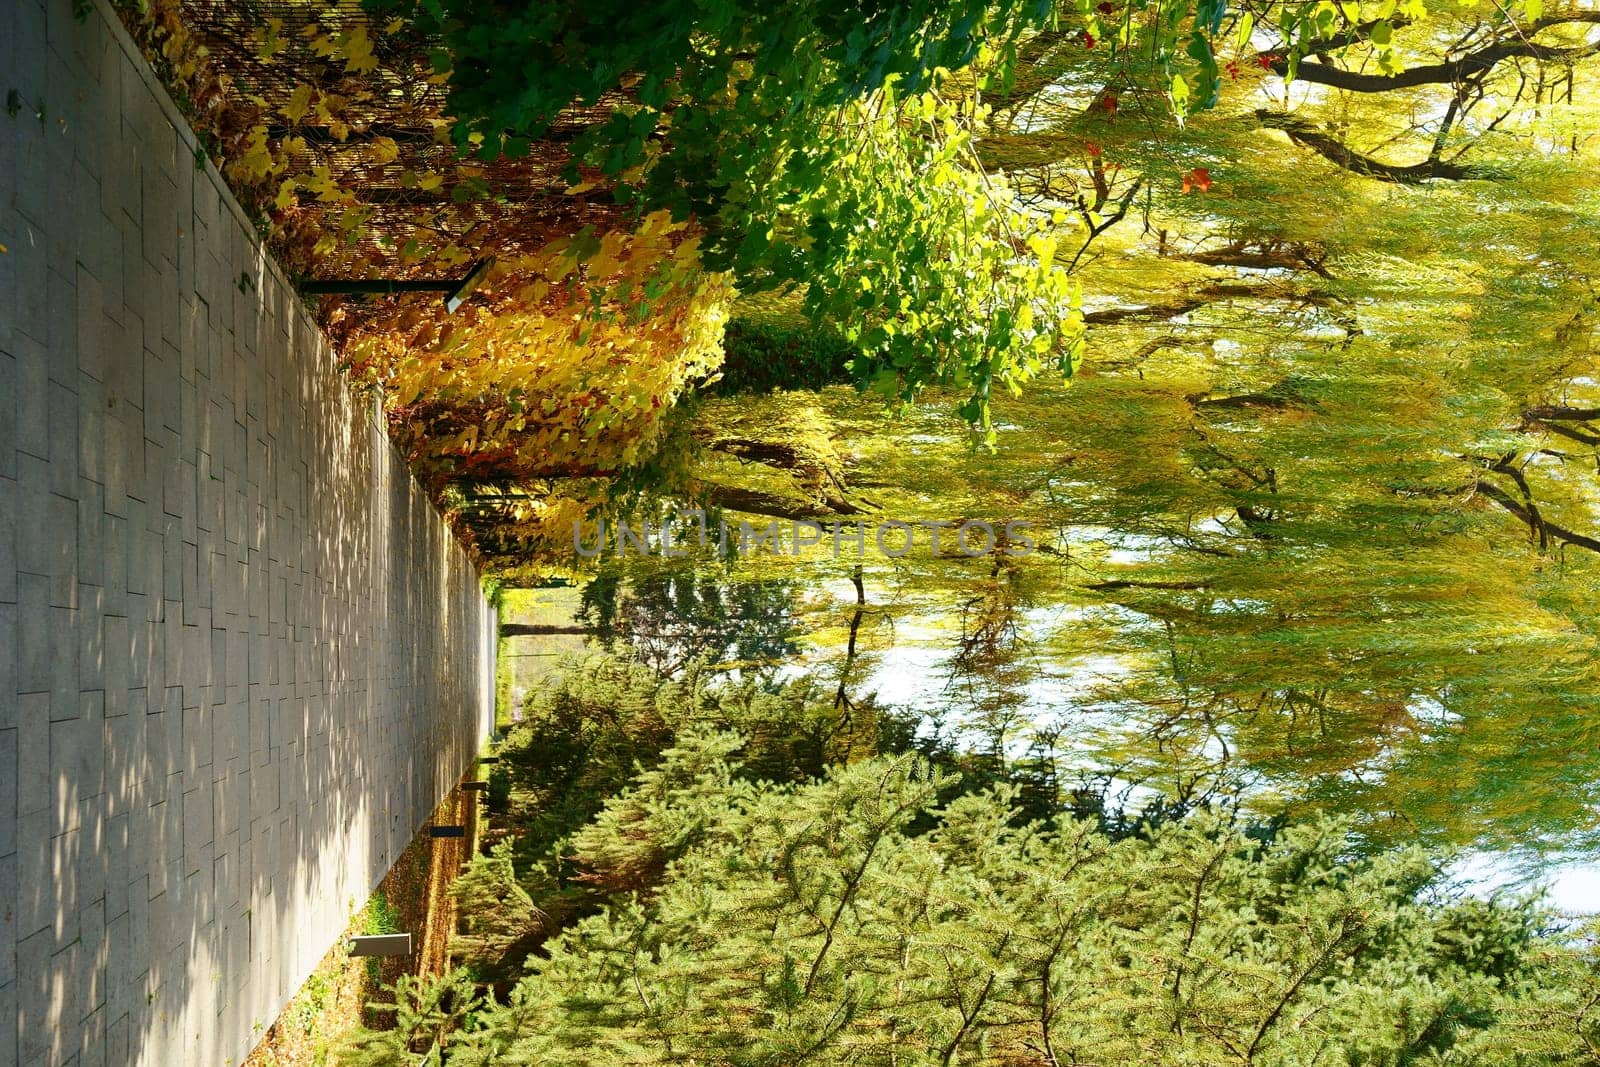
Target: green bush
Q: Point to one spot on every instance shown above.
(498, 799)
(763, 356)
(380, 917)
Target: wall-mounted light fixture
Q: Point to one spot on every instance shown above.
(380, 945)
(458, 289)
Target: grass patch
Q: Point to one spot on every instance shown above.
(378, 917)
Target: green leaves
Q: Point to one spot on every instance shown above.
(874, 214)
(878, 914)
(1179, 94)
(1210, 80)
(806, 139)
(1208, 16)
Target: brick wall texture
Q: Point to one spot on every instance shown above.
(240, 657)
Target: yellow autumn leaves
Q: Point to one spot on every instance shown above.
(594, 339)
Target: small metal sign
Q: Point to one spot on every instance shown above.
(381, 945)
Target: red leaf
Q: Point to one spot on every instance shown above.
(1093, 150)
(1088, 39)
(1109, 102)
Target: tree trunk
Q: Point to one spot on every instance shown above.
(521, 629)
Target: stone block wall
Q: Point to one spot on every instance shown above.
(241, 658)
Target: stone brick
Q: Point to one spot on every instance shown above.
(71, 745)
(35, 897)
(38, 1015)
(8, 405)
(90, 533)
(32, 400)
(89, 313)
(8, 668)
(195, 732)
(117, 1039)
(122, 859)
(30, 319)
(115, 570)
(116, 464)
(34, 639)
(33, 753)
(8, 813)
(61, 518)
(64, 328)
(191, 654)
(91, 637)
(63, 633)
(8, 921)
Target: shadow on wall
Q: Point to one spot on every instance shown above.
(250, 659)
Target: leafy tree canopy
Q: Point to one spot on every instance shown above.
(866, 917)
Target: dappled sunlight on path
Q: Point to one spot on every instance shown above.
(242, 658)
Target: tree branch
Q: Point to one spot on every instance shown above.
(522, 629)
(1451, 71)
(1263, 401)
(1336, 151)
(770, 505)
(1536, 522)
(1567, 431)
(1132, 583)
(1348, 924)
(1271, 256)
(1148, 313)
(1558, 412)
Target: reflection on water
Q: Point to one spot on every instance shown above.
(1573, 886)
(1050, 694)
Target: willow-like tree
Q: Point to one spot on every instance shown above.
(1325, 494)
